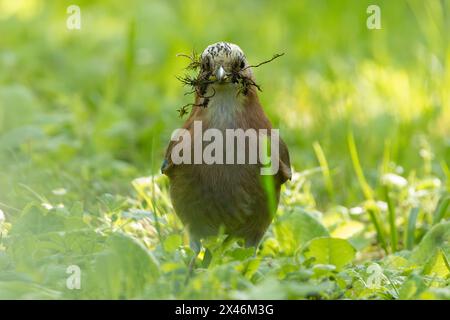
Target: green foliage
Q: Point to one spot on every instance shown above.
(294, 229)
(437, 239)
(330, 251)
(85, 116)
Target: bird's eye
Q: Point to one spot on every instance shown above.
(242, 65)
(206, 65)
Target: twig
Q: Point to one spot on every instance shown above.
(267, 61)
(195, 60)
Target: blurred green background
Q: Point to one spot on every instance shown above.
(84, 112)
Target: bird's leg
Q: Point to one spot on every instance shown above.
(196, 247)
(254, 244)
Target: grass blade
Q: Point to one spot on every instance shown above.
(392, 216)
(441, 209)
(368, 193)
(446, 170)
(411, 228)
(325, 168)
(374, 217)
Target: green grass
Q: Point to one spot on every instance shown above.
(85, 117)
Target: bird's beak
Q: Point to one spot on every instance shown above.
(220, 74)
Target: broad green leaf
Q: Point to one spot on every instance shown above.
(395, 261)
(436, 238)
(270, 288)
(437, 265)
(172, 242)
(19, 290)
(242, 253)
(347, 229)
(295, 229)
(122, 270)
(412, 288)
(330, 251)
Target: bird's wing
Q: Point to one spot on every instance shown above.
(167, 163)
(284, 172)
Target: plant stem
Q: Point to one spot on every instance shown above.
(373, 214)
(392, 216)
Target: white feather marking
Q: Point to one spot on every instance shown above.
(224, 106)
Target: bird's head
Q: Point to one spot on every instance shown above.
(222, 68)
(224, 63)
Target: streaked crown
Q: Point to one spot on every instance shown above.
(223, 53)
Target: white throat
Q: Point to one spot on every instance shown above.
(224, 106)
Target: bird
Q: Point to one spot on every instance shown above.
(223, 197)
